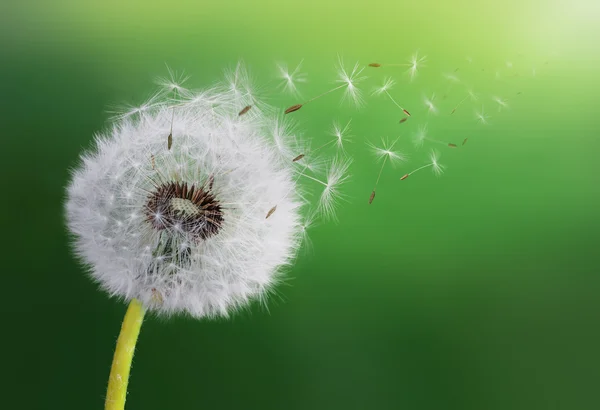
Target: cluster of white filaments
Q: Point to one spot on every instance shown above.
(191, 202)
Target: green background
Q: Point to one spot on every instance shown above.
(475, 290)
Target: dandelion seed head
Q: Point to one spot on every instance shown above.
(184, 230)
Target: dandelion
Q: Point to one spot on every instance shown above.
(289, 80)
(385, 153)
(481, 116)
(414, 64)
(347, 79)
(200, 226)
(436, 167)
(388, 83)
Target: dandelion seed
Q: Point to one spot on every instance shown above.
(170, 137)
(173, 83)
(271, 212)
(156, 296)
(293, 108)
(465, 141)
(245, 110)
(388, 83)
(290, 80)
(371, 197)
(451, 145)
(298, 158)
(337, 174)
(481, 116)
(414, 64)
(501, 103)
(348, 80)
(384, 153)
(436, 167)
(431, 108)
(339, 134)
(403, 119)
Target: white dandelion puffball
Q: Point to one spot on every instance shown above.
(188, 204)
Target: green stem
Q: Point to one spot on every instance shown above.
(121, 365)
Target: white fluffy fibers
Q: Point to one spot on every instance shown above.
(171, 205)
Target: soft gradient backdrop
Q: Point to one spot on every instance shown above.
(476, 290)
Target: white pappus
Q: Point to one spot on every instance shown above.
(175, 204)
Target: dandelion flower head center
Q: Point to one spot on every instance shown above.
(193, 210)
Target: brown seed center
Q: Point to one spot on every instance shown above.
(189, 210)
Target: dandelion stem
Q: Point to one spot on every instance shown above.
(121, 365)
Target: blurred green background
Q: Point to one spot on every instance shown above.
(475, 290)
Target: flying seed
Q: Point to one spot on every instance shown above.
(271, 211)
(403, 120)
(170, 138)
(245, 110)
(465, 140)
(293, 108)
(404, 177)
(210, 182)
(451, 145)
(156, 296)
(375, 65)
(406, 112)
(298, 158)
(371, 197)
